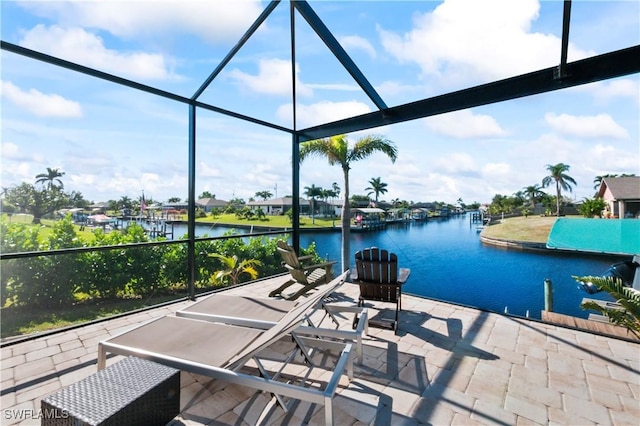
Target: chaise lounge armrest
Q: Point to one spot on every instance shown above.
(403, 275)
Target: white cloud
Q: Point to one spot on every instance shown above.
(82, 47)
(273, 78)
(394, 88)
(357, 43)
(338, 86)
(323, 112)
(456, 163)
(595, 126)
(493, 170)
(206, 171)
(9, 150)
(465, 125)
(19, 172)
(464, 41)
(604, 159)
(213, 21)
(606, 91)
(40, 104)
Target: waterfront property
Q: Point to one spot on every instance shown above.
(450, 364)
(447, 365)
(622, 195)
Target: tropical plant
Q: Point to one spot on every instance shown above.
(592, 207)
(233, 268)
(207, 194)
(37, 202)
(503, 204)
(533, 193)
(557, 174)
(337, 151)
(312, 192)
(519, 198)
(125, 202)
(50, 179)
(377, 187)
(265, 195)
(336, 188)
(627, 311)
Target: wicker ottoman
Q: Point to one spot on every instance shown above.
(133, 391)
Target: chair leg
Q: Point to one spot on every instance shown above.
(396, 324)
(355, 316)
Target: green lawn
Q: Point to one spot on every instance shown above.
(226, 219)
(27, 320)
(270, 221)
(527, 229)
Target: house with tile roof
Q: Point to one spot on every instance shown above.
(622, 195)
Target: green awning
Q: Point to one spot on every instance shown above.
(611, 236)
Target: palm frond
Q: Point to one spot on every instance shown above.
(627, 311)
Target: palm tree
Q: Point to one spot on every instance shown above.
(533, 193)
(265, 195)
(377, 187)
(313, 192)
(337, 151)
(336, 188)
(234, 269)
(325, 194)
(557, 174)
(125, 202)
(50, 178)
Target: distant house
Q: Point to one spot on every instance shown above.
(278, 206)
(99, 207)
(208, 204)
(368, 217)
(175, 206)
(419, 213)
(622, 196)
(398, 215)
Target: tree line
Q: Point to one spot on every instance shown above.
(63, 279)
(526, 199)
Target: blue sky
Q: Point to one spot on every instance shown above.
(112, 141)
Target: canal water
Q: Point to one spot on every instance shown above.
(448, 262)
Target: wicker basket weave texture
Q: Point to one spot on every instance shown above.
(133, 391)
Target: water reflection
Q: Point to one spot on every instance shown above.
(448, 262)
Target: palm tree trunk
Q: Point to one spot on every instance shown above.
(313, 211)
(346, 224)
(557, 198)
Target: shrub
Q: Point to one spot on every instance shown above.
(592, 207)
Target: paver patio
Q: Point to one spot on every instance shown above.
(447, 365)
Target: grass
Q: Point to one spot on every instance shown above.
(281, 221)
(23, 320)
(533, 229)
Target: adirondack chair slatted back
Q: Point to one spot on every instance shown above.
(377, 266)
(291, 259)
(377, 276)
(301, 271)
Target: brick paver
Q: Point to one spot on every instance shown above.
(447, 365)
